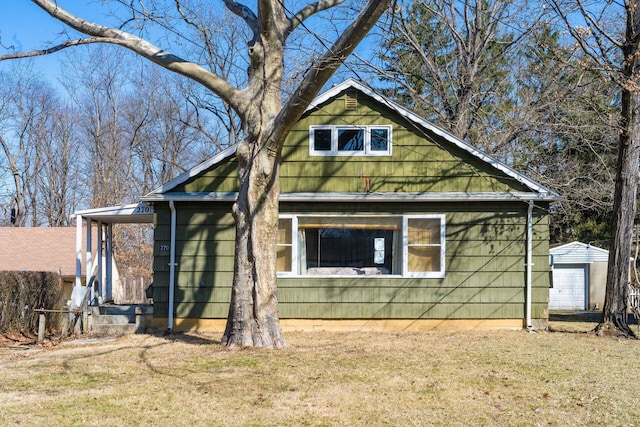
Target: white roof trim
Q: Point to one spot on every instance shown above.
(182, 178)
(135, 213)
(358, 197)
(562, 249)
(546, 193)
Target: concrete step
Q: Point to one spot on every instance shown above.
(112, 319)
(115, 329)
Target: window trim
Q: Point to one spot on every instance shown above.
(405, 247)
(294, 246)
(403, 251)
(348, 153)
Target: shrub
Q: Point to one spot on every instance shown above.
(21, 293)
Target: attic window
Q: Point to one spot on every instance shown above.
(350, 140)
(351, 100)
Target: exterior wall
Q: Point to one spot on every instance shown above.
(597, 283)
(485, 267)
(419, 161)
(485, 242)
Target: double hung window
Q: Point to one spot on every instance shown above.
(350, 140)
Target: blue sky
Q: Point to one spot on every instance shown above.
(26, 27)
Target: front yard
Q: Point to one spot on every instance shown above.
(328, 379)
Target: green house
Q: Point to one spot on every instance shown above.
(386, 221)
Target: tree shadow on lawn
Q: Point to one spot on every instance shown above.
(578, 321)
(187, 337)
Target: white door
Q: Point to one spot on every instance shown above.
(569, 287)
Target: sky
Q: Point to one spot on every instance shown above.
(26, 27)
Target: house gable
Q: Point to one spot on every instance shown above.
(420, 161)
(423, 159)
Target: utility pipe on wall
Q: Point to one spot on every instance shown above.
(172, 264)
(529, 266)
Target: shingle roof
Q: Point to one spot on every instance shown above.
(38, 249)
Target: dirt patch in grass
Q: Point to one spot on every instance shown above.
(328, 379)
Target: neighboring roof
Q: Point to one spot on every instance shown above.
(578, 253)
(542, 193)
(38, 249)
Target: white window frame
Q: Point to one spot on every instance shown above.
(294, 246)
(403, 251)
(405, 247)
(334, 141)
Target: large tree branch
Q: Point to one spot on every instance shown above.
(54, 49)
(145, 49)
(310, 10)
(243, 12)
(324, 67)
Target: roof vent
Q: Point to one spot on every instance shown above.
(351, 99)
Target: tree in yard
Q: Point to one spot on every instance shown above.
(266, 119)
(451, 60)
(481, 71)
(614, 51)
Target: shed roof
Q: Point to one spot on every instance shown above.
(50, 249)
(578, 253)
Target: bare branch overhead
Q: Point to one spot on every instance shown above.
(143, 48)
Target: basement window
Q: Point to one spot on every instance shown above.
(350, 140)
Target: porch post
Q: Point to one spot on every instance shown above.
(76, 299)
(99, 260)
(89, 260)
(109, 261)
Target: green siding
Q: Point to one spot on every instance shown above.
(420, 161)
(485, 242)
(485, 267)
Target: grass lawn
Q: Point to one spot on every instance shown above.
(498, 378)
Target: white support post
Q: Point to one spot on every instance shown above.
(76, 293)
(100, 255)
(88, 259)
(78, 281)
(109, 260)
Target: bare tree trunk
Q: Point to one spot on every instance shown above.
(253, 312)
(614, 311)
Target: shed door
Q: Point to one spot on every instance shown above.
(569, 287)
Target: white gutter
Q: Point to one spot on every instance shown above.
(529, 265)
(172, 264)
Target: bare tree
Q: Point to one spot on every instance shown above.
(266, 119)
(26, 105)
(166, 131)
(58, 177)
(451, 61)
(614, 51)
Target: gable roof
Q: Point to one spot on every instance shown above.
(541, 192)
(578, 252)
(50, 249)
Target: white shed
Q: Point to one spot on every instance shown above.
(579, 277)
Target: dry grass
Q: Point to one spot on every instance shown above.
(329, 379)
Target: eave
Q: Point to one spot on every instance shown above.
(361, 197)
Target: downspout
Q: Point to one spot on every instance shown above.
(529, 265)
(172, 264)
